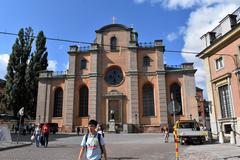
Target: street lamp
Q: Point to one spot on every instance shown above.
(21, 113)
(190, 116)
(136, 116)
(174, 112)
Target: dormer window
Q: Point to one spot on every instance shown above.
(83, 64)
(113, 44)
(146, 61)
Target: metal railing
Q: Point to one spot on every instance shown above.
(146, 45)
(173, 67)
(59, 73)
(84, 48)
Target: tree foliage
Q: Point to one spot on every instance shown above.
(23, 71)
(37, 63)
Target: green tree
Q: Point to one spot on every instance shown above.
(16, 89)
(37, 63)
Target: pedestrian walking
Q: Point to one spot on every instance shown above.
(100, 130)
(78, 130)
(93, 143)
(37, 134)
(45, 133)
(166, 134)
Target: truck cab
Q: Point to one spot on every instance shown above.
(188, 131)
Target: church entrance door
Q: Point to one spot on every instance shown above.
(114, 106)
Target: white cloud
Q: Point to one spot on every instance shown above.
(205, 16)
(184, 4)
(173, 4)
(181, 30)
(66, 66)
(139, 1)
(201, 21)
(172, 36)
(3, 63)
(52, 65)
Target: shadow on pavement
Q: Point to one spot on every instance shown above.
(52, 137)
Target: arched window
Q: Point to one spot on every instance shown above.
(83, 64)
(148, 100)
(113, 44)
(146, 61)
(175, 89)
(83, 102)
(58, 102)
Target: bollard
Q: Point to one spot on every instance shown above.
(176, 145)
(232, 138)
(221, 138)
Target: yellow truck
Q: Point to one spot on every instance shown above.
(188, 131)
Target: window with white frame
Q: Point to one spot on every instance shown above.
(225, 104)
(219, 63)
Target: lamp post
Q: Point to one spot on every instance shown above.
(21, 113)
(190, 116)
(39, 118)
(174, 109)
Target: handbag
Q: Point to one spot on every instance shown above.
(32, 138)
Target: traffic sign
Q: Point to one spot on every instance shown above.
(177, 107)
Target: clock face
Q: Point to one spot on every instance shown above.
(114, 76)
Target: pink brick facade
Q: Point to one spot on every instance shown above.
(126, 98)
(221, 57)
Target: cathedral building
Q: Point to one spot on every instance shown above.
(117, 78)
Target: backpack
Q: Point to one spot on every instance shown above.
(99, 141)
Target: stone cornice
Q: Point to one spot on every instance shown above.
(220, 78)
(192, 71)
(114, 93)
(132, 73)
(161, 72)
(147, 73)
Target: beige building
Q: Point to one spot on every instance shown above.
(120, 75)
(221, 57)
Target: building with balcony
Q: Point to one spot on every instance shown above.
(117, 78)
(221, 59)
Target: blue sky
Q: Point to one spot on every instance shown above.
(179, 23)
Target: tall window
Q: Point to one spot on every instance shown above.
(58, 102)
(83, 102)
(148, 100)
(219, 63)
(225, 104)
(83, 64)
(175, 89)
(146, 61)
(113, 44)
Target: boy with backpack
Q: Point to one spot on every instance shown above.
(93, 143)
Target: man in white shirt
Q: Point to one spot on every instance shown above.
(93, 143)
